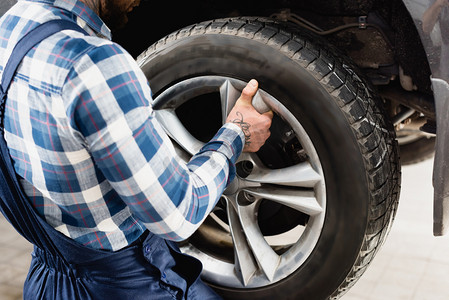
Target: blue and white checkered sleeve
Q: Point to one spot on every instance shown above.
(108, 103)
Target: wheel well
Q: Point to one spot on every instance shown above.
(381, 49)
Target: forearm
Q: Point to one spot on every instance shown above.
(172, 199)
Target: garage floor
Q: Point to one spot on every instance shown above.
(412, 265)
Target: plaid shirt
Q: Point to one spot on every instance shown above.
(82, 134)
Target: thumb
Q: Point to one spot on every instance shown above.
(249, 91)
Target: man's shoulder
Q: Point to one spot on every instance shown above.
(25, 16)
(69, 45)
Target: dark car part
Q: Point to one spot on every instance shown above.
(332, 148)
(415, 130)
(376, 35)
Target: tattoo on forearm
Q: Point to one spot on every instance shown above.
(245, 127)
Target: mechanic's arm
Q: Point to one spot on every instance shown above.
(111, 111)
(431, 15)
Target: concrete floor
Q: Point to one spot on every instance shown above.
(15, 259)
(412, 265)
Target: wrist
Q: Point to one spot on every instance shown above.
(237, 129)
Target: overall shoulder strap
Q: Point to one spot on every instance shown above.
(33, 37)
(14, 203)
(24, 45)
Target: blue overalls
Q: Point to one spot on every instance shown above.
(150, 268)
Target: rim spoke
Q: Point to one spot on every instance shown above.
(245, 264)
(300, 200)
(228, 96)
(176, 130)
(267, 259)
(300, 175)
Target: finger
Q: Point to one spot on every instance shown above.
(249, 91)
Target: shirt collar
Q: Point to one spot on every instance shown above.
(83, 12)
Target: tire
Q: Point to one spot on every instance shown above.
(331, 150)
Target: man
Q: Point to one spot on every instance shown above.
(97, 166)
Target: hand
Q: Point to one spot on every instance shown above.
(255, 126)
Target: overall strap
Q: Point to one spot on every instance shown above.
(14, 204)
(33, 37)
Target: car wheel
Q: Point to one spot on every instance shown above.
(307, 213)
